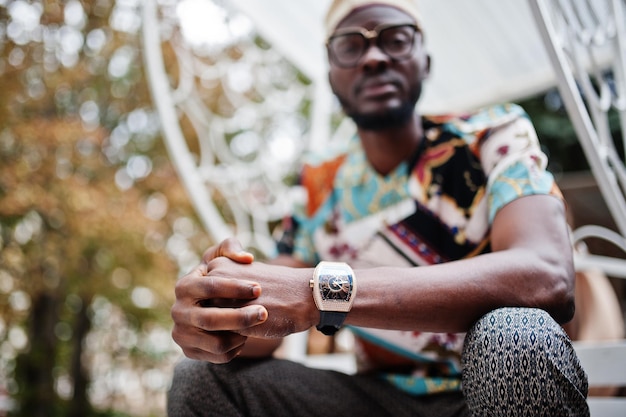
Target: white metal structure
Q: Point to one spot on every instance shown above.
(586, 42)
(580, 46)
(605, 364)
(495, 42)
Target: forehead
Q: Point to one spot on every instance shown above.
(371, 16)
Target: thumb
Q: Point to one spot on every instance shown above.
(230, 248)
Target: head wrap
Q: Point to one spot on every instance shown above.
(339, 9)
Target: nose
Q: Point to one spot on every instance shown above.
(374, 58)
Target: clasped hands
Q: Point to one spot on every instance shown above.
(229, 297)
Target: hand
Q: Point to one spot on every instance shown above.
(286, 296)
(209, 310)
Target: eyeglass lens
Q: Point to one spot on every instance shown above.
(396, 42)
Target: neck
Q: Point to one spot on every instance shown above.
(386, 149)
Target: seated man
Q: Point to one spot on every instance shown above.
(441, 241)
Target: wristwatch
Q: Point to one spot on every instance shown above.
(334, 289)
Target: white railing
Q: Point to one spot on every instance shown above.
(586, 43)
(236, 155)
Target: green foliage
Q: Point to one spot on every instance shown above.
(557, 134)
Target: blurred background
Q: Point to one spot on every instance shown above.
(95, 225)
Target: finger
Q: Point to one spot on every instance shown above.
(215, 319)
(223, 302)
(201, 355)
(232, 319)
(213, 343)
(196, 287)
(216, 347)
(230, 248)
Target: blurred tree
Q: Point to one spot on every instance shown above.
(88, 206)
(94, 225)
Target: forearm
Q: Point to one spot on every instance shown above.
(451, 297)
(448, 297)
(531, 266)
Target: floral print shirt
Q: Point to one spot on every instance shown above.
(435, 207)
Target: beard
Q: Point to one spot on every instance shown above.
(388, 119)
(392, 118)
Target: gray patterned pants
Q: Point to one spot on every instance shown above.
(517, 362)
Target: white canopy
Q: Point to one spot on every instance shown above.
(483, 51)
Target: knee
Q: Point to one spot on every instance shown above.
(511, 350)
(515, 331)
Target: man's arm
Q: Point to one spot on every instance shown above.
(531, 266)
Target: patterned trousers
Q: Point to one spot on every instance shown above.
(516, 362)
(519, 362)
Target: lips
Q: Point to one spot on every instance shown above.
(376, 87)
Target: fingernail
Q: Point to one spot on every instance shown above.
(262, 314)
(256, 291)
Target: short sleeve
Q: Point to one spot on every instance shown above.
(514, 163)
(312, 213)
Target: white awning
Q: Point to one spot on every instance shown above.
(483, 51)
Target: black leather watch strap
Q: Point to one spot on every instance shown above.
(331, 321)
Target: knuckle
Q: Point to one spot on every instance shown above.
(181, 289)
(178, 314)
(222, 358)
(180, 336)
(221, 347)
(192, 353)
(205, 321)
(176, 333)
(216, 263)
(227, 344)
(249, 318)
(230, 243)
(178, 289)
(209, 284)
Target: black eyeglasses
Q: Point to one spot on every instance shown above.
(346, 46)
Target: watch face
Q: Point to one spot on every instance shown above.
(335, 285)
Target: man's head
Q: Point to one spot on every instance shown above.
(339, 9)
(377, 60)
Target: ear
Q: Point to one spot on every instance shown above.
(330, 82)
(423, 58)
(426, 69)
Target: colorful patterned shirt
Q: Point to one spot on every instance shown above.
(435, 207)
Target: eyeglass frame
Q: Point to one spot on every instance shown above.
(369, 35)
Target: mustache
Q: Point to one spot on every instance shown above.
(376, 79)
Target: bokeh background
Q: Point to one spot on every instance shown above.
(95, 226)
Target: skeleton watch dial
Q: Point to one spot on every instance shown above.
(335, 286)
